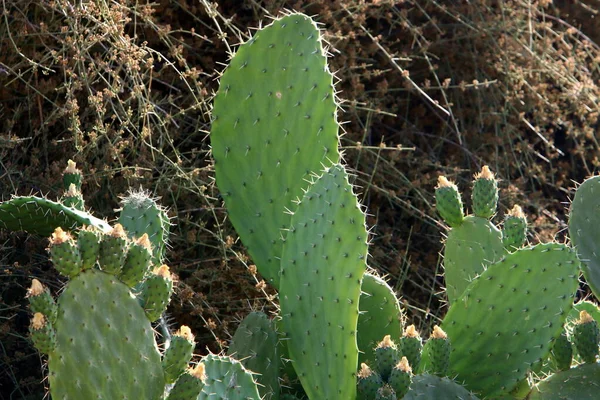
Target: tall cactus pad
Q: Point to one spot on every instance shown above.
(323, 261)
(273, 123)
(579, 383)
(427, 386)
(255, 344)
(449, 203)
(98, 319)
(226, 378)
(510, 316)
(41, 216)
(142, 214)
(469, 249)
(380, 315)
(584, 230)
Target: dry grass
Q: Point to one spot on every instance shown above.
(432, 88)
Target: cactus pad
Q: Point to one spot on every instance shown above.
(324, 258)
(273, 124)
(226, 378)
(380, 315)
(578, 383)
(427, 386)
(509, 317)
(470, 247)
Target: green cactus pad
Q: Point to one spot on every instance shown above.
(187, 387)
(226, 378)
(469, 248)
(141, 214)
(65, 253)
(427, 386)
(438, 349)
(41, 301)
(449, 203)
(584, 230)
(113, 250)
(411, 346)
(578, 383)
(386, 356)
(72, 176)
(401, 377)
(369, 382)
(88, 242)
(42, 334)
(273, 124)
(514, 229)
(105, 345)
(586, 336)
(562, 353)
(323, 261)
(255, 345)
(485, 194)
(41, 216)
(156, 293)
(509, 317)
(137, 262)
(380, 315)
(179, 354)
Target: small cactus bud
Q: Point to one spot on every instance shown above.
(88, 242)
(179, 354)
(386, 356)
(64, 253)
(137, 262)
(189, 385)
(41, 301)
(448, 202)
(368, 382)
(562, 352)
(113, 250)
(42, 333)
(514, 230)
(485, 193)
(586, 336)
(412, 345)
(156, 292)
(401, 377)
(438, 348)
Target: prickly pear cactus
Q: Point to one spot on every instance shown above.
(99, 340)
(427, 386)
(323, 261)
(584, 230)
(380, 315)
(274, 122)
(140, 213)
(255, 345)
(226, 378)
(40, 216)
(579, 383)
(509, 317)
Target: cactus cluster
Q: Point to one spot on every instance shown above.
(511, 320)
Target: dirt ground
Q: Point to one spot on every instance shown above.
(426, 88)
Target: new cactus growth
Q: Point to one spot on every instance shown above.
(385, 392)
(438, 350)
(73, 198)
(401, 377)
(562, 352)
(485, 193)
(88, 243)
(137, 261)
(586, 337)
(113, 250)
(411, 345)
(41, 301)
(448, 202)
(514, 229)
(189, 384)
(65, 253)
(72, 176)
(42, 333)
(386, 356)
(369, 382)
(156, 292)
(179, 354)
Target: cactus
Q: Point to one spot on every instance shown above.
(255, 345)
(576, 383)
(72, 176)
(562, 352)
(101, 343)
(369, 382)
(141, 214)
(178, 354)
(509, 317)
(401, 377)
(273, 122)
(380, 315)
(514, 229)
(586, 336)
(485, 193)
(584, 229)
(438, 353)
(41, 216)
(427, 386)
(411, 345)
(449, 203)
(386, 356)
(322, 265)
(226, 378)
